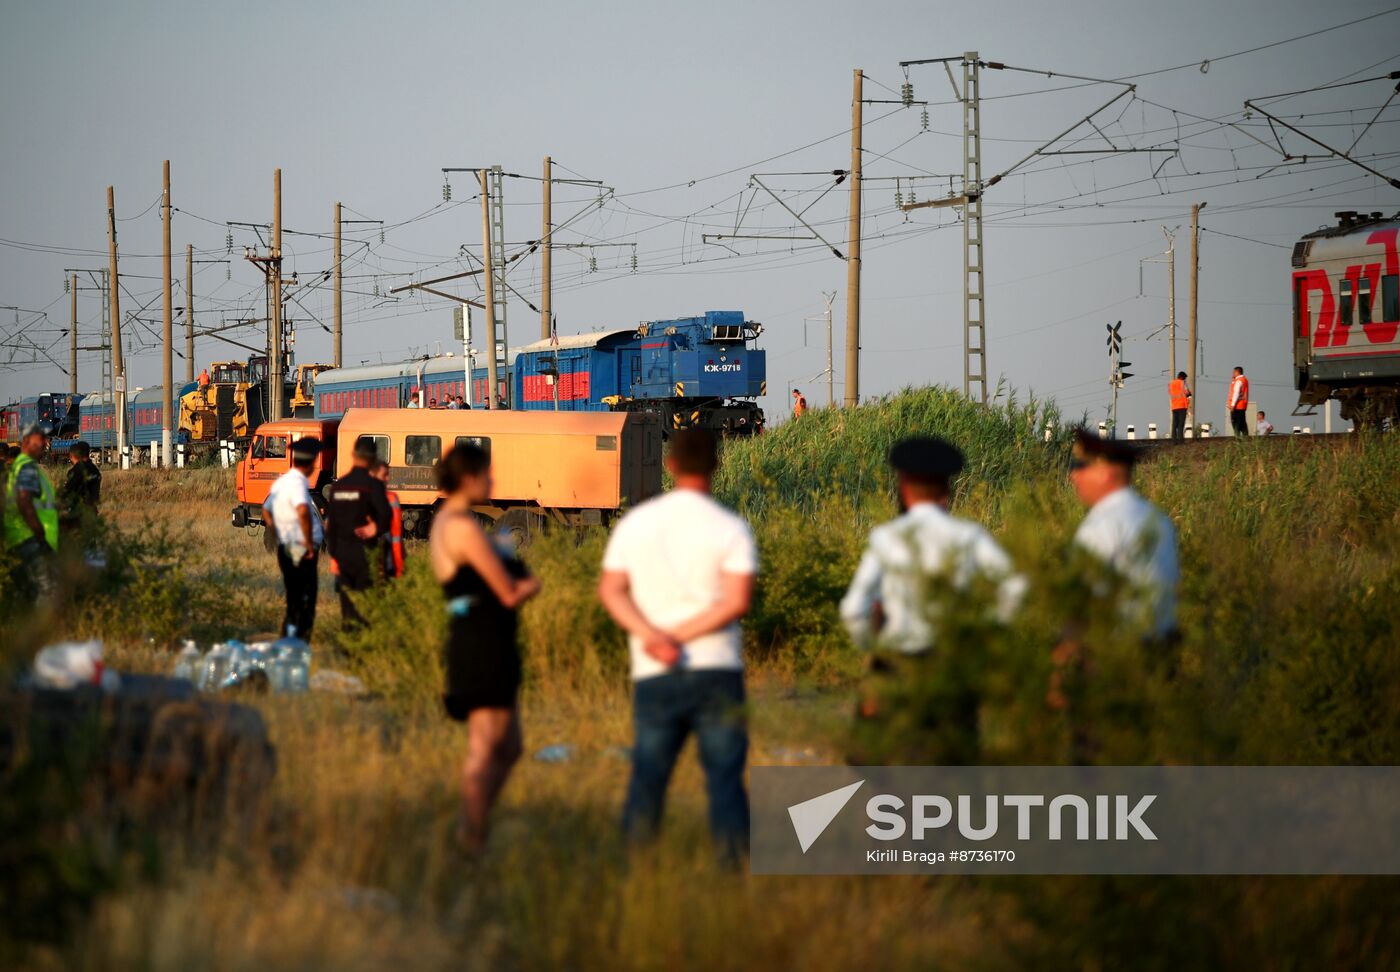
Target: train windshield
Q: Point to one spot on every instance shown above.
(229, 374)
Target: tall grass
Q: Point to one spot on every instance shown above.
(1290, 609)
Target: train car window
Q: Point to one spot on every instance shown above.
(1344, 305)
(482, 442)
(421, 450)
(1390, 297)
(605, 443)
(1363, 301)
(381, 445)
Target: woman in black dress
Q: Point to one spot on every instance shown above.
(484, 586)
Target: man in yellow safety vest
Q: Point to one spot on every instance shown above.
(31, 514)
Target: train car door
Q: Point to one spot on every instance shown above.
(629, 378)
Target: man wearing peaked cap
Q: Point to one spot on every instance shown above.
(887, 606)
(1124, 530)
(290, 512)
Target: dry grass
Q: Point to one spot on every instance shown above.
(351, 864)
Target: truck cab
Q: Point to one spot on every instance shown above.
(269, 456)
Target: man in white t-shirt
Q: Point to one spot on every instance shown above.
(677, 576)
(290, 512)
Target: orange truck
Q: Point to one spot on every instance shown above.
(269, 456)
(575, 468)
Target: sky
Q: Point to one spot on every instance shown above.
(674, 107)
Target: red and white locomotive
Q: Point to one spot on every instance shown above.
(1346, 317)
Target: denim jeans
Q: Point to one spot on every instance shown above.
(666, 709)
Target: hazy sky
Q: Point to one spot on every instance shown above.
(675, 106)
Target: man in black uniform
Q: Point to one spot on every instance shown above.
(358, 513)
(82, 490)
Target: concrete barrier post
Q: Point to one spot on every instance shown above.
(1103, 430)
(126, 457)
(1152, 430)
(180, 456)
(1132, 431)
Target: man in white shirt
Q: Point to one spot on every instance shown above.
(290, 512)
(1125, 531)
(677, 576)
(1262, 426)
(890, 606)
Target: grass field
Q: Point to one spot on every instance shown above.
(1290, 611)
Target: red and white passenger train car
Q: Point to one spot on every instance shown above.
(1346, 316)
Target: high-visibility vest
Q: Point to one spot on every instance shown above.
(1178, 394)
(1242, 401)
(393, 551)
(799, 406)
(45, 507)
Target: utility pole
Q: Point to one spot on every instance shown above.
(274, 371)
(167, 330)
(335, 345)
(73, 341)
(113, 290)
(974, 290)
(853, 253)
(830, 374)
(490, 289)
(1193, 337)
(547, 256)
(189, 312)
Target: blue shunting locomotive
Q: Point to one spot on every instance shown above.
(55, 412)
(701, 372)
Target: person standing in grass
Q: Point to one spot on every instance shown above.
(678, 575)
(393, 559)
(1262, 426)
(31, 514)
(484, 585)
(292, 513)
(799, 404)
(887, 608)
(82, 489)
(358, 513)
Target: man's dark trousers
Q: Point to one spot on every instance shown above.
(668, 708)
(301, 582)
(353, 574)
(1238, 421)
(1178, 424)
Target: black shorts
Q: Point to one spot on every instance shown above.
(483, 669)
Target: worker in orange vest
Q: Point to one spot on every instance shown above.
(1239, 402)
(1180, 397)
(799, 404)
(204, 378)
(393, 540)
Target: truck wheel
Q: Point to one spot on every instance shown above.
(522, 523)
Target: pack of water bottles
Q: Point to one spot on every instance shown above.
(277, 666)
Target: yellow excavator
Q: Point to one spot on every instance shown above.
(234, 401)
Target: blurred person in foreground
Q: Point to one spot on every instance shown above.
(392, 561)
(678, 575)
(291, 510)
(892, 608)
(31, 515)
(484, 586)
(1131, 537)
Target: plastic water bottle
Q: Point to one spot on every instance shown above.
(299, 667)
(292, 663)
(235, 666)
(187, 664)
(213, 669)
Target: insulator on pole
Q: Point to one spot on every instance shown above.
(446, 191)
(381, 235)
(924, 119)
(906, 92)
(66, 284)
(634, 260)
(592, 264)
(898, 198)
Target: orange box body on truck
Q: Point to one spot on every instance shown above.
(566, 467)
